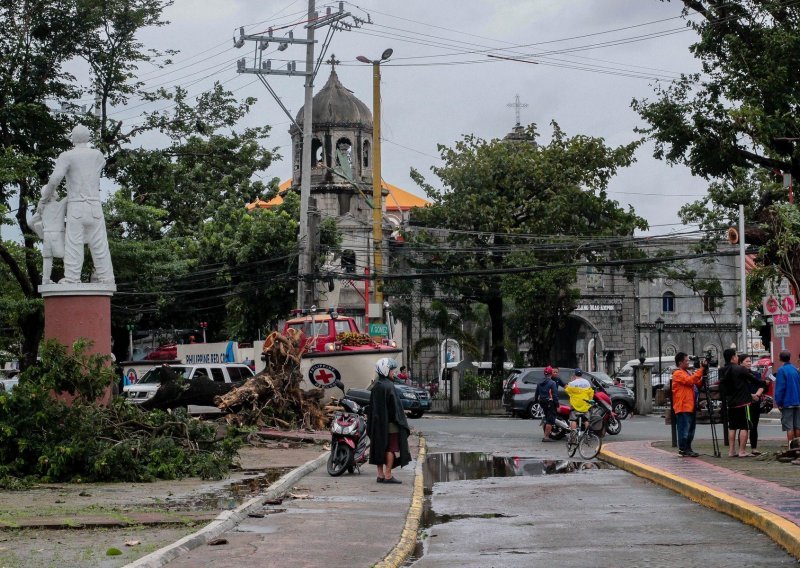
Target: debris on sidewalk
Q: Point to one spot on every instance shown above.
(274, 397)
(217, 541)
(792, 455)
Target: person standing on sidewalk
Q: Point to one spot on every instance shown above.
(547, 393)
(787, 396)
(683, 402)
(735, 382)
(387, 426)
(755, 408)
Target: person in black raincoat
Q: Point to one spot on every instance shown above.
(387, 425)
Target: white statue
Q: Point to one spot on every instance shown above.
(85, 224)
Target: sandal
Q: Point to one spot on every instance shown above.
(755, 452)
(747, 456)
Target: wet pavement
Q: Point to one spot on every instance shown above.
(519, 515)
(342, 521)
(782, 501)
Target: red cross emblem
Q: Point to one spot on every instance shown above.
(322, 375)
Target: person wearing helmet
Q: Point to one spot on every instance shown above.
(387, 425)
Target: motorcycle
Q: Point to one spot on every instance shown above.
(612, 424)
(349, 440)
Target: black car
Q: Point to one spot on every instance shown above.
(519, 392)
(416, 401)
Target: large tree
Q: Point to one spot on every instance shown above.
(38, 39)
(500, 206)
(737, 122)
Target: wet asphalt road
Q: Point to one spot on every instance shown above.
(591, 517)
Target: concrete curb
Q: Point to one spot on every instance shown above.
(408, 538)
(782, 531)
(226, 520)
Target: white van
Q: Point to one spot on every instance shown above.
(147, 386)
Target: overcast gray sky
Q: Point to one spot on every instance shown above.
(433, 92)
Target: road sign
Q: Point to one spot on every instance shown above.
(780, 319)
(779, 305)
(782, 330)
(379, 329)
(771, 305)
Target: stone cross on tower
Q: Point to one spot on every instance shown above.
(333, 62)
(517, 105)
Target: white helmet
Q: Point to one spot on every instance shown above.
(383, 366)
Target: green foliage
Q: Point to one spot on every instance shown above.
(475, 386)
(736, 124)
(495, 195)
(42, 439)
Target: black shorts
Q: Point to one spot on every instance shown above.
(738, 418)
(549, 410)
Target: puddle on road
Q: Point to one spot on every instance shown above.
(459, 466)
(239, 491)
(462, 466)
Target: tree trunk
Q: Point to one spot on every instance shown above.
(32, 327)
(495, 306)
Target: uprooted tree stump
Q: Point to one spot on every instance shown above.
(273, 397)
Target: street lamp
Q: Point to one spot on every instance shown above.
(642, 353)
(692, 334)
(659, 328)
(377, 196)
(594, 338)
(203, 326)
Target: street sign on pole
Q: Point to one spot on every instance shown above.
(780, 319)
(379, 329)
(782, 330)
(774, 305)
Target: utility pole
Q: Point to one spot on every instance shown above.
(306, 289)
(742, 280)
(377, 188)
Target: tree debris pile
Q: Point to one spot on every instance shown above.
(274, 397)
(45, 440)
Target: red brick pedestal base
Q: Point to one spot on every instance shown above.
(73, 311)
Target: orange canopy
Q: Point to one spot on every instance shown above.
(397, 200)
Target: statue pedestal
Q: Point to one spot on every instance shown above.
(72, 311)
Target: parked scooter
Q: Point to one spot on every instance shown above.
(349, 440)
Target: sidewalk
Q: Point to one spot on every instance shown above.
(771, 508)
(336, 521)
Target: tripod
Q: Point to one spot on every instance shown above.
(710, 409)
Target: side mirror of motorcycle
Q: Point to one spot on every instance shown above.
(339, 384)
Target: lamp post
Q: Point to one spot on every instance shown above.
(642, 353)
(692, 334)
(377, 196)
(660, 328)
(203, 326)
(594, 351)
(130, 327)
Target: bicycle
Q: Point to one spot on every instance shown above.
(584, 440)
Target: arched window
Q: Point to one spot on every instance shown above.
(349, 261)
(668, 302)
(366, 153)
(317, 157)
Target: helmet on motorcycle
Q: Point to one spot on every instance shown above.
(383, 366)
(577, 372)
(548, 371)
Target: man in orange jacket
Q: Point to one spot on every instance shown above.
(683, 398)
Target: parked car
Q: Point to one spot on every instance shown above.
(520, 391)
(220, 373)
(416, 401)
(9, 378)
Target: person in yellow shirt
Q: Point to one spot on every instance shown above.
(580, 394)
